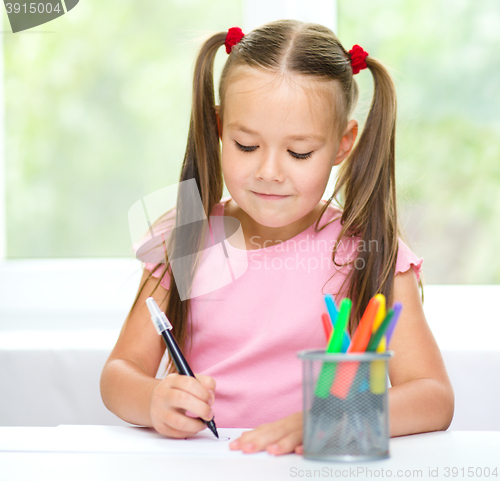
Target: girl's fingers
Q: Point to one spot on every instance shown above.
(183, 400)
(207, 381)
(299, 449)
(256, 440)
(176, 395)
(287, 444)
(193, 386)
(273, 440)
(272, 433)
(177, 425)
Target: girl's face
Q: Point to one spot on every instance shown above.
(279, 143)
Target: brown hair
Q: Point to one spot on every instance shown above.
(366, 179)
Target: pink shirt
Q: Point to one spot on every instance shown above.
(258, 312)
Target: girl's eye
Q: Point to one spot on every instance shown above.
(251, 148)
(300, 156)
(245, 148)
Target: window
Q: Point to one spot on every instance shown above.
(443, 57)
(96, 107)
(96, 116)
(91, 127)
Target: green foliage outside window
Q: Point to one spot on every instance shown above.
(97, 114)
(97, 111)
(444, 59)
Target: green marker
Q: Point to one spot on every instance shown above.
(377, 335)
(327, 373)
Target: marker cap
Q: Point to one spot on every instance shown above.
(158, 317)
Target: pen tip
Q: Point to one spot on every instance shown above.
(213, 428)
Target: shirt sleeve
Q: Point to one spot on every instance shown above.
(153, 259)
(406, 259)
(158, 272)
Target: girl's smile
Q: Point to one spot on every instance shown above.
(271, 196)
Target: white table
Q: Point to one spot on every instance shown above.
(422, 456)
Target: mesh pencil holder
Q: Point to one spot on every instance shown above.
(346, 415)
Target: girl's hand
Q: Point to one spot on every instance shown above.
(177, 394)
(281, 437)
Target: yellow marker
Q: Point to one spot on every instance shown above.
(378, 320)
(377, 368)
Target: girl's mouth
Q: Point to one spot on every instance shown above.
(270, 196)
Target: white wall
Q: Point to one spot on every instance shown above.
(57, 332)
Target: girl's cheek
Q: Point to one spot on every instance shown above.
(237, 172)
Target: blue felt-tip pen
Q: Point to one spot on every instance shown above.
(333, 312)
(163, 327)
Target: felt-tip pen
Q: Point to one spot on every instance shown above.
(163, 328)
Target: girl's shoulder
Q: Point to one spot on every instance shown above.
(406, 257)
(149, 247)
(164, 224)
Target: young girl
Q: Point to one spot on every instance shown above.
(286, 96)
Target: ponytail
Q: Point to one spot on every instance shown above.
(369, 208)
(201, 162)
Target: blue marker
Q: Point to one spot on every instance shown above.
(333, 312)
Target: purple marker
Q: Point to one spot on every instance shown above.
(397, 311)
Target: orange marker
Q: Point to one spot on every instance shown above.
(346, 371)
(364, 329)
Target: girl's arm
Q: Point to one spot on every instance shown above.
(421, 398)
(128, 385)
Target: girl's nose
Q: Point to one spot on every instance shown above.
(270, 169)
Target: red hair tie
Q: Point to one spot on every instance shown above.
(234, 35)
(358, 56)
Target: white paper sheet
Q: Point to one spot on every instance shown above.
(116, 439)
